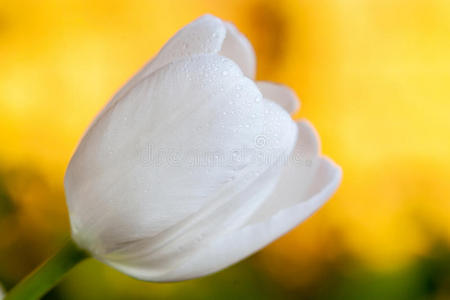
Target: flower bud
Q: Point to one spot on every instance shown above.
(192, 165)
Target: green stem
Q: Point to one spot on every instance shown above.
(45, 277)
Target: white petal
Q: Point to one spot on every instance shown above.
(234, 246)
(281, 94)
(124, 203)
(204, 35)
(207, 34)
(237, 47)
(298, 173)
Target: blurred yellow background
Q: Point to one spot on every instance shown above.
(373, 77)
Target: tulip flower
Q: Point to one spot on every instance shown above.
(193, 165)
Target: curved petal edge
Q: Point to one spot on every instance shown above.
(239, 244)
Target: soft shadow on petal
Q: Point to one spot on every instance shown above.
(155, 263)
(298, 173)
(234, 246)
(237, 47)
(281, 94)
(300, 191)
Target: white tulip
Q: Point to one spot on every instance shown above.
(193, 166)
